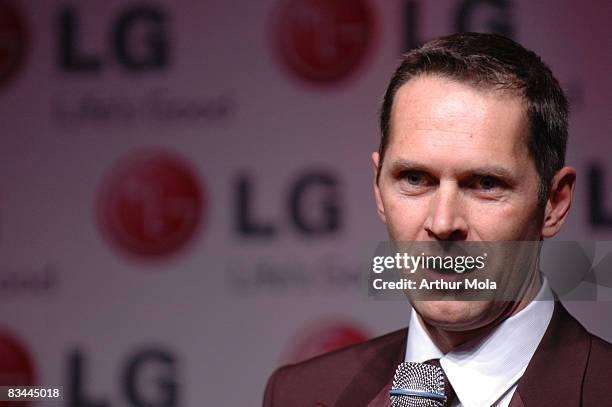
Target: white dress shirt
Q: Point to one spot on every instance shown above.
(485, 372)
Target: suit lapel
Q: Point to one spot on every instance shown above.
(516, 400)
(372, 383)
(556, 370)
(382, 399)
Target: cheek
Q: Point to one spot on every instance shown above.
(405, 218)
(503, 222)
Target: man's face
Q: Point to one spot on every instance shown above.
(457, 167)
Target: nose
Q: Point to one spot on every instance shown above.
(446, 219)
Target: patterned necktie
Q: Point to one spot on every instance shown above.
(449, 392)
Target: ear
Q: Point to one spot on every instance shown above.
(379, 202)
(559, 201)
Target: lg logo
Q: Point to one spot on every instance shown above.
(469, 15)
(148, 378)
(312, 207)
(137, 40)
(322, 41)
(151, 204)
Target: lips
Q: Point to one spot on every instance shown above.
(449, 270)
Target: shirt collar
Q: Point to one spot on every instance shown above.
(483, 370)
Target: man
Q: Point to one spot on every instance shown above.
(474, 130)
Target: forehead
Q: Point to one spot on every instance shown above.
(431, 111)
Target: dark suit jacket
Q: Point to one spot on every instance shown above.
(570, 367)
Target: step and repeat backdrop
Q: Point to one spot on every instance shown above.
(186, 186)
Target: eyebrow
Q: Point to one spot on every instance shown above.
(484, 170)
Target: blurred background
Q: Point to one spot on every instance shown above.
(185, 186)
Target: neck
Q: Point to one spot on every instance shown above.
(447, 340)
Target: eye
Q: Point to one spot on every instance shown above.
(415, 182)
(414, 178)
(488, 183)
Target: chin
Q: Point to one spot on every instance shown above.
(458, 315)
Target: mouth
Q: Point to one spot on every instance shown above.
(450, 270)
(443, 275)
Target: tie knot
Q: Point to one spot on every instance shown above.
(449, 392)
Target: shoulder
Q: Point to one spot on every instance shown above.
(599, 365)
(334, 371)
(596, 368)
(600, 348)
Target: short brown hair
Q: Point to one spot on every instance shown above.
(496, 62)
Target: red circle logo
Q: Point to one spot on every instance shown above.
(323, 337)
(13, 41)
(151, 203)
(16, 368)
(323, 40)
